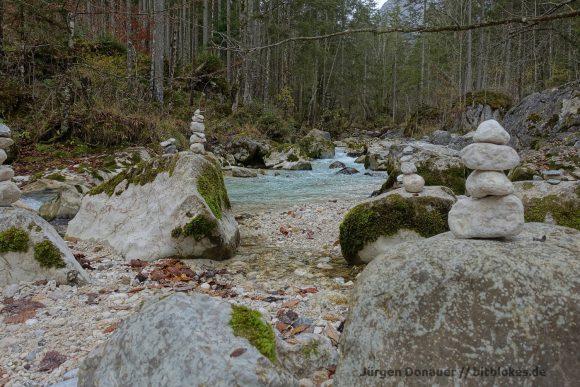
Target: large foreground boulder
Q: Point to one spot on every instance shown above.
(172, 206)
(550, 116)
(31, 250)
(376, 225)
(187, 341)
(445, 303)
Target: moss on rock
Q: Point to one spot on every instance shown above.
(14, 240)
(143, 173)
(198, 228)
(56, 177)
(521, 173)
(452, 177)
(211, 187)
(248, 323)
(314, 147)
(493, 99)
(48, 255)
(565, 211)
(367, 222)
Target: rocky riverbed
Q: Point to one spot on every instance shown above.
(289, 267)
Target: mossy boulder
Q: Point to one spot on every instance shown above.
(544, 202)
(478, 106)
(376, 225)
(32, 250)
(188, 340)
(317, 145)
(170, 206)
(287, 157)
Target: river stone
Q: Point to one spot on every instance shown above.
(3, 156)
(243, 172)
(197, 137)
(337, 165)
(348, 171)
(484, 183)
(6, 173)
(6, 142)
(180, 341)
(197, 148)
(489, 157)
(408, 168)
(309, 353)
(491, 131)
(444, 303)
(157, 210)
(22, 266)
(488, 217)
(9, 193)
(5, 131)
(413, 183)
(197, 127)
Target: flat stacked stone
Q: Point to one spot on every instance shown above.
(492, 211)
(169, 146)
(9, 192)
(412, 182)
(197, 129)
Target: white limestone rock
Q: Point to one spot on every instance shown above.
(197, 138)
(489, 157)
(485, 183)
(180, 341)
(491, 131)
(6, 173)
(413, 183)
(488, 217)
(5, 131)
(17, 266)
(197, 148)
(6, 142)
(3, 156)
(197, 127)
(9, 193)
(408, 168)
(158, 210)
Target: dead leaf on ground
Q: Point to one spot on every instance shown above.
(238, 352)
(111, 328)
(20, 310)
(332, 333)
(299, 329)
(51, 361)
(138, 264)
(290, 303)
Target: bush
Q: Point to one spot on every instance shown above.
(274, 126)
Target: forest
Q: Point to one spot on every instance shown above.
(108, 72)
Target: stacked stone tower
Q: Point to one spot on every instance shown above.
(9, 192)
(412, 182)
(197, 129)
(492, 211)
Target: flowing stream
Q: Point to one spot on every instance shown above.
(321, 184)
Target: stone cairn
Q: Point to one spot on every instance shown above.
(169, 146)
(197, 129)
(492, 211)
(9, 192)
(412, 182)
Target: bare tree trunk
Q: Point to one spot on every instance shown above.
(229, 32)
(1, 35)
(158, 50)
(205, 38)
(469, 69)
(130, 48)
(480, 59)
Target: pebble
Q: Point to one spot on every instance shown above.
(489, 157)
(554, 181)
(10, 291)
(491, 131)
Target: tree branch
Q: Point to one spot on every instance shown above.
(417, 29)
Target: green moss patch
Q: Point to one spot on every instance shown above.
(14, 240)
(143, 173)
(493, 99)
(48, 255)
(453, 177)
(56, 177)
(211, 186)
(198, 228)
(565, 211)
(310, 349)
(248, 323)
(522, 174)
(314, 147)
(385, 217)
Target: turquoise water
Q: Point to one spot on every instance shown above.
(292, 187)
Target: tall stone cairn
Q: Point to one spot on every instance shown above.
(492, 211)
(197, 129)
(412, 182)
(9, 192)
